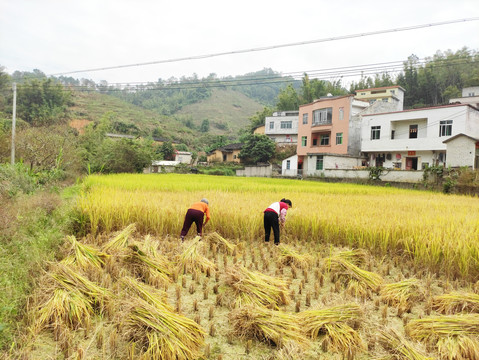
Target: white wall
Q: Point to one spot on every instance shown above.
(257, 171)
(330, 162)
(276, 130)
(293, 169)
(392, 176)
(464, 121)
(461, 151)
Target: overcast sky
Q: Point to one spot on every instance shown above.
(58, 36)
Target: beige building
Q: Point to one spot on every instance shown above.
(259, 130)
(227, 153)
(389, 94)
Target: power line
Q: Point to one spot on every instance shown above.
(272, 47)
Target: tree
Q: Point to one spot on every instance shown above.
(257, 148)
(205, 126)
(167, 151)
(258, 119)
(43, 102)
(288, 99)
(125, 156)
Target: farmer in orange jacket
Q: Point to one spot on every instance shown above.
(196, 214)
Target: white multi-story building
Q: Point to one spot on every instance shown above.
(413, 139)
(282, 127)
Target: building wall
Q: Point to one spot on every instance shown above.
(461, 151)
(293, 166)
(336, 126)
(256, 171)
(233, 156)
(279, 135)
(393, 94)
(428, 130)
(259, 130)
(215, 156)
(387, 176)
(330, 162)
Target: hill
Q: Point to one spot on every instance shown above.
(227, 112)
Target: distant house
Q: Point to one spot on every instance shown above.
(470, 95)
(389, 94)
(183, 157)
(259, 130)
(227, 153)
(416, 138)
(120, 136)
(462, 150)
(161, 166)
(282, 127)
(290, 166)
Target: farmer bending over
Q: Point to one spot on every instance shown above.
(273, 216)
(196, 214)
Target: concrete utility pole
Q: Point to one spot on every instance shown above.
(14, 116)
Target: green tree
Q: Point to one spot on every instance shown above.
(288, 99)
(258, 119)
(167, 151)
(125, 156)
(257, 148)
(205, 126)
(43, 102)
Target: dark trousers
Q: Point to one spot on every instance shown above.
(193, 216)
(271, 221)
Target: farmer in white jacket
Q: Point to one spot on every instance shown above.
(273, 216)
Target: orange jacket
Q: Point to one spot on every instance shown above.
(201, 206)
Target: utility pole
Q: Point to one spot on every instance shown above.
(14, 116)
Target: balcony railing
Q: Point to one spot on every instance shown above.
(321, 122)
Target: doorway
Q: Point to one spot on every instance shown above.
(411, 163)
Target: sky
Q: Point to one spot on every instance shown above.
(60, 36)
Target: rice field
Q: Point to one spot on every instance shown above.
(361, 273)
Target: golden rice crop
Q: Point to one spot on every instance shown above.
(260, 323)
(121, 240)
(225, 244)
(456, 301)
(444, 237)
(334, 323)
(397, 344)
(154, 268)
(84, 255)
(192, 258)
(162, 333)
(253, 287)
(455, 336)
(401, 294)
(289, 256)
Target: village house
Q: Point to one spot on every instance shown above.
(259, 130)
(227, 153)
(282, 127)
(414, 139)
(470, 95)
(183, 157)
(386, 94)
(329, 134)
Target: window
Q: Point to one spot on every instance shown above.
(393, 91)
(319, 162)
(372, 101)
(288, 164)
(315, 141)
(341, 113)
(286, 124)
(393, 132)
(271, 125)
(339, 138)
(325, 140)
(413, 131)
(445, 127)
(322, 116)
(385, 99)
(363, 93)
(304, 140)
(305, 118)
(375, 132)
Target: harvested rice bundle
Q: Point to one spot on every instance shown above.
(149, 294)
(71, 280)
(69, 308)
(256, 288)
(153, 268)
(260, 323)
(356, 257)
(191, 258)
(456, 301)
(366, 279)
(164, 334)
(217, 238)
(84, 255)
(334, 323)
(401, 294)
(455, 336)
(289, 256)
(121, 240)
(399, 347)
